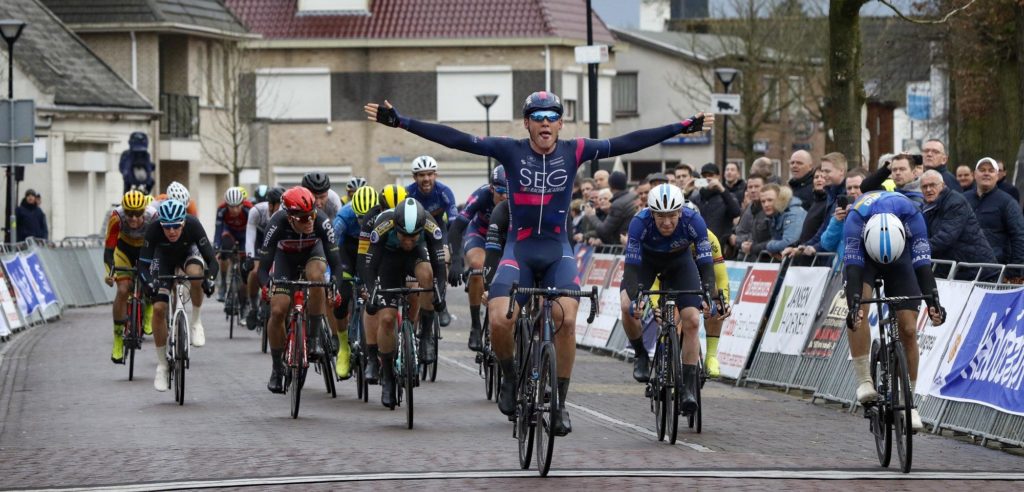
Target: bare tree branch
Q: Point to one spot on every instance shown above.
(943, 20)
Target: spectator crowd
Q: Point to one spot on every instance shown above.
(973, 214)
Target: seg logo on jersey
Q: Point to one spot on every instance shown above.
(545, 179)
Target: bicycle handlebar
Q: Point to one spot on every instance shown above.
(887, 300)
(552, 293)
(404, 290)
(478, 272)
(301, 283)
(181, 278)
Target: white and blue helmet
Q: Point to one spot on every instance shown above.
(665, 198)
(884, 238)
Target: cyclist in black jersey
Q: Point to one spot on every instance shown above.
(301, 239)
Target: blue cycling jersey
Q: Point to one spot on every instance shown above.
(540, 185)
(346, 224)
(645, 236)
(439, 201)
(477, 211)
(880, 202)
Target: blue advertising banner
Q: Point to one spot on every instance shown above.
(43, 287)
(19, 277)
(737, 272)
(987, 352)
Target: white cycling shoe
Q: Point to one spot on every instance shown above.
(160, 381)
(866, 392)
(915, 420)
(196, 328)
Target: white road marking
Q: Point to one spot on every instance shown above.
(765, 474)
(598, 415)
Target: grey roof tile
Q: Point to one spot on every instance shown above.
(210, 14)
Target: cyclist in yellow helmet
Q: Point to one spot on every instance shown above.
(347, 230)
(125, 231)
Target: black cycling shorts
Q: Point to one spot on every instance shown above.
(898, 277)
(393, 271)
(677, 272)
(289, 266)
(167, 261)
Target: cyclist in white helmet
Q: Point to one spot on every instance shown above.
(229, 234)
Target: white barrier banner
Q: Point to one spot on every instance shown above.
(10, 311)
(795, 310)
(608, 301)
(740, 329)
(932, 340)
(600, 268)
(985, 360)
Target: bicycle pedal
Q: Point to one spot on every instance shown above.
(479, 358)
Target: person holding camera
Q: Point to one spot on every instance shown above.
(718, 206)
(832, 238)
(833, 166)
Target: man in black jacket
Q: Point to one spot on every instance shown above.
(616, 223)
(998, 213)
(953, 229)
(717, 206)
(801, 177)
(933, 156)
(30, 218)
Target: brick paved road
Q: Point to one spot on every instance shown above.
(68, 417)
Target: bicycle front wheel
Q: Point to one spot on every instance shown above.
(547, 405)
(180, 357)
(264, 315)
(902, 404)
(298, 355)
(526, 426)
(658, 388)
(675, 382)
(408, 373)
(880, 424)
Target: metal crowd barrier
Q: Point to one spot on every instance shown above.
(75, 266)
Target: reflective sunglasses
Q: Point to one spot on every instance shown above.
(134, 215)
(172, 225)
(302, 218)
(545, 115)
(501, 190)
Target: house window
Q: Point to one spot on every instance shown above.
(302, 94)
(569, 110)
(334, 6)
(625, 97)
(457, 88)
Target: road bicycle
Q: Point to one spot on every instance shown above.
(232, 299)
(178, 336)
(663, 387)
(537, 380)
(889, 414)
(297, 336)
(487, 362)
(133, 333)
(405, 372)
(357, 344)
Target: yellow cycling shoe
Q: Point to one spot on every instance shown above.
(147, 318)
(117, 353)
(711, 366)
(343, 366)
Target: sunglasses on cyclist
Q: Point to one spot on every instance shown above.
(545, 115)
(302, 218)
(172, 225)
(134, 215)
(501, 190)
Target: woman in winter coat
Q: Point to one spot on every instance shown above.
(786, 213)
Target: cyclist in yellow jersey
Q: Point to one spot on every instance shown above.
(713, 326)
(125, 231)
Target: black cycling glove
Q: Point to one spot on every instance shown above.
(387, 116)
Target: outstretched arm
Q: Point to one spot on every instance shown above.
(641, 139)
(444, 135)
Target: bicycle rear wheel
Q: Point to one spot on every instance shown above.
(696, 418)
(263, 315)
(408, 373)
(659, 384)
(180, 356)
(880, 424)
(546, 410)
(525, 424)
(675, 373)
(132, 333)
(902, 404)
(298, 353)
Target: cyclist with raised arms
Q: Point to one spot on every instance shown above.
(255, 228)
(327, 200)
(229, 232)
(658, 245)
(404, 241)
(126, 229)
(175, 241)
(354, 183)
(299, 241)
(877, 230)
(347, 229)
(389, 198)
(541, 170)
(476, 215)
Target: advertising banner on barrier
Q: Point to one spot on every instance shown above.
(18, 275)
(7, 303)
(44, 290)
(932, 340)
(594, 275)
(985, 360)
(829, 326)
(795, 310)
(608, 309)
(737, 272)
(740, 329)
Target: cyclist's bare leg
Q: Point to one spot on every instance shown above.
(689, 322)
(907, 319)
(386, 329)
(425, 277)
(502, 334)
(475, 260)
(160, 323)
(414, 302)
(279, 305)
(370, 320)
(196, 286)
(120, 308)
(713, 327)
(565, 337)
(860, 339)
(630, 325)
(316, 271)
(224, 271)
(253, 284)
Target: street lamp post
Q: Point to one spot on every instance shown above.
(10, 29)
(726, 76)
(487, 100)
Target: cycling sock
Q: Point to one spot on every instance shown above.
(118, 328)
(563, 389)
(508, 367)
(862, 369)
(161, 356)
(474, 313)
(638, 345)
(426, 321)
(713, 346)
